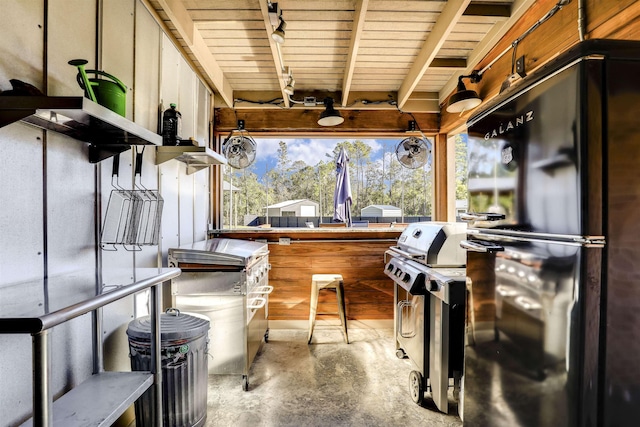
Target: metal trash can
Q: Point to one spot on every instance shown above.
(184, 346)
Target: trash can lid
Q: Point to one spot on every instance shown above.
(174, 325)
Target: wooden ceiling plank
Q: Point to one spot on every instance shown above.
(185, 27)
(518, 8)
(236, 42)
(419, 6)
(317, 34)
(317, 43)
(225, 15)
(319, 15)
(401, 16)
(314, 6)
(315, 25)
(219, 4)
(220, 51)
(446, 21)
(385, 51)
(229, 25)
(383, 37)
(407, 26)
(356, 34)
(239, 33)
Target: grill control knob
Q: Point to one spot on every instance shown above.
(434, 286)
(406, 278)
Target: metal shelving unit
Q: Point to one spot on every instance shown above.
(36, 307)
(196, 158)
(104, 396)
(107, 132)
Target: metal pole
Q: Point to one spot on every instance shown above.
(96, 315)
(42, 399)
(156, 366)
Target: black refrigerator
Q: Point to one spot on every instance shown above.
(553, 244)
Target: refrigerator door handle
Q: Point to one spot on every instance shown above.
(484, 247)
(484, 216)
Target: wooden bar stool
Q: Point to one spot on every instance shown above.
(331, 282)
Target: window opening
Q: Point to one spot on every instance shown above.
(292, 183)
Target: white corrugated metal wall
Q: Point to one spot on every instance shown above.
(48, 187)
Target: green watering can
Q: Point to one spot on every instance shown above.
(108, 93)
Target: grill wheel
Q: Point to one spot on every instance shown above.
(415, 387)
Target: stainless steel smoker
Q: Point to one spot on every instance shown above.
(427, 267)
(226, 280)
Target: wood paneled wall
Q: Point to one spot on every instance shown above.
(612, 19)
(358, 256)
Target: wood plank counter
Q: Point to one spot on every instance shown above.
(298, 253)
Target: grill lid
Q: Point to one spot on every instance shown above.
(434, 243)
(218, 251)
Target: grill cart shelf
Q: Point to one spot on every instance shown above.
(101, 399)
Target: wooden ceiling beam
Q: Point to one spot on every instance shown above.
(304, 122)
(179, 17)
(276, 53)
(356, 33)
(518, 8)
(441, 30)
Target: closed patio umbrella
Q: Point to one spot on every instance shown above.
(342, 196)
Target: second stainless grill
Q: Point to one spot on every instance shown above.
(227, 280)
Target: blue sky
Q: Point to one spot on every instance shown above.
(309, 150)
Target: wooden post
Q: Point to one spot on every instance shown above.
(440, 178)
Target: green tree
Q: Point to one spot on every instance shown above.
(461, 166)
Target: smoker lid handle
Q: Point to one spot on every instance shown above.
(401, 252)
(484, 247)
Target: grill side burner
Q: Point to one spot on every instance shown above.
(427, 268)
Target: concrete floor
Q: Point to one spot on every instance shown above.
(326, 383)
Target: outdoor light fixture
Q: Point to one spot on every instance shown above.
(287, 75)
(464, 99)
(278, 34)
(288, 89)
(330, 116)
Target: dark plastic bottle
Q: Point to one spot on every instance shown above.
(171, 126)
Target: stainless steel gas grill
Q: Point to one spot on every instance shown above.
(226, 280)
(427, 267)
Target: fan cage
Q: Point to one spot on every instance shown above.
(413, 152)
(239, 149)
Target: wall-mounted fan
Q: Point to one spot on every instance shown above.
(239, 148)
(413, 152)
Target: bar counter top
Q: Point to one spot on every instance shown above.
(295, 234)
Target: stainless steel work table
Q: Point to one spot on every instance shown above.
(36, 306)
